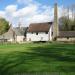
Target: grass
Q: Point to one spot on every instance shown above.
(37, 57)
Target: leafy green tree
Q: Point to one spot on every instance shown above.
(72, 24)
(67, 24)
(64, 23)
(4, 26)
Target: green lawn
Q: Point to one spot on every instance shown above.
(37, 57)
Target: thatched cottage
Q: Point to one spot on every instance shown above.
(39, 32)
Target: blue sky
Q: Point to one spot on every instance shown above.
(4, 3)
(28, 11)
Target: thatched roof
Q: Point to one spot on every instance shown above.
(39, 27)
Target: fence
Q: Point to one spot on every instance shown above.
(42, 73)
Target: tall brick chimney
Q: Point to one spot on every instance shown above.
(55, 25)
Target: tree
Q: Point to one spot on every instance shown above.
(66, 24)
(72, 25)
(4, 26)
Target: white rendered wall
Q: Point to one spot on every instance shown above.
(50, 34)
(42, 36)
(10, 40)
(19, 38)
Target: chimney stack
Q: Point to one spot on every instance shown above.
(11, 25)
(55, 25)
(19, 25)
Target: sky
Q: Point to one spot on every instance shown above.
(30, 11)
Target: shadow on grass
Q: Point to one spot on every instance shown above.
(40, 59)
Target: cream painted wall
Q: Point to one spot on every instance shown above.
(10, 40)
(19, 38)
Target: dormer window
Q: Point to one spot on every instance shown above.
(52, 34)
(46, 32)
(36, 33)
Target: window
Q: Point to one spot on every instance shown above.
(67, 37)
(32, 32)
(29, 33)
(36, 33)
(52, 34)
(46, 32)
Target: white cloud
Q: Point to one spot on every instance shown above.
(25, 11)
(31, 13)
(44, 16)
(39, 18)
(2, 14)
(11, 8)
